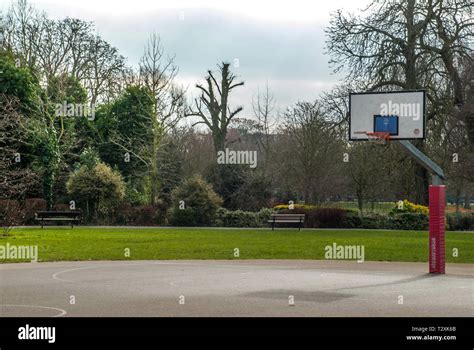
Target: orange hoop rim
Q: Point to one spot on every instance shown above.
(379, 135)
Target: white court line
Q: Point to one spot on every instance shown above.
(55, 275)
(62, 312)
(138, 263)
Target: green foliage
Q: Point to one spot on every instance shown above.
(170, 169)
(403, 221)
(253, 194)
(89, 158)
(127, 124)
(134, 197)
(460, 221)
(98, 190)
(228, 180)
(66, 88)
(409, 207)
(184, 217)
(200, 203)
(48, 157)
(240, 218)
(18, 82)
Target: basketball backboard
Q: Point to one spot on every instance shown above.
(400, 114)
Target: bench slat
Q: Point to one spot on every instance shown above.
(56, 219)
(72, 216)
(287, 218)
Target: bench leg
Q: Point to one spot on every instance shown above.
(273, 225)
(42, 222)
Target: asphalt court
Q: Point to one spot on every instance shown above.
(234, 288)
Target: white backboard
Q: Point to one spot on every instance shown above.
(400, 113)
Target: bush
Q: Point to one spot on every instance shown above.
(343, 218)
(240, 218)
(409, 207)
(321, 217)
(371, 221)
(11, 214)
(184, 217)
(199, 200)
(61, 207)
(409, 221)
(143, 215)
(146, 215)
(460, 222)
(33, 205)
(125, 214)
(296, 206)
(97, 189)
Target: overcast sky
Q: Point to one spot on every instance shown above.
(279, 42)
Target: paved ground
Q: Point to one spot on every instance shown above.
(234, 288)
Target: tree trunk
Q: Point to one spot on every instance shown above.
(458, 199)
(467, 199)
(360, 201)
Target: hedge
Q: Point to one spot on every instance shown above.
(240, 218)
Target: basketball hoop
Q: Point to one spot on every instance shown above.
(378, 137)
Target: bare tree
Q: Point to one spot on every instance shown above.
(406, 45)
(157, 72)
(213, 105)
(70, 46)
(15, 179)
(310, 152)
(263, 105)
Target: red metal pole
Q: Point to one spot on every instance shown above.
(437, 198)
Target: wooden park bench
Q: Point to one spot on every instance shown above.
(71, 216)
(287, 218)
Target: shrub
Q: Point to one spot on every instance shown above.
(240, 218)
(184, 217)
(320, 217)
(98, 189)
(374, 221)
(199, 200)
(329, 217)
(143, 215)
(61, 207)
(409, 221)
(409, 207)
(146, 215)
(125, 214)
(460, 222)
(33, 205)
(229, 218)
(296, 206)
(11, 214)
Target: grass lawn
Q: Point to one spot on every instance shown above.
(81, 243)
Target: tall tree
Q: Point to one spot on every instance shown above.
(311, 152)
(213, 105)
(157, 72)
(406, 45)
